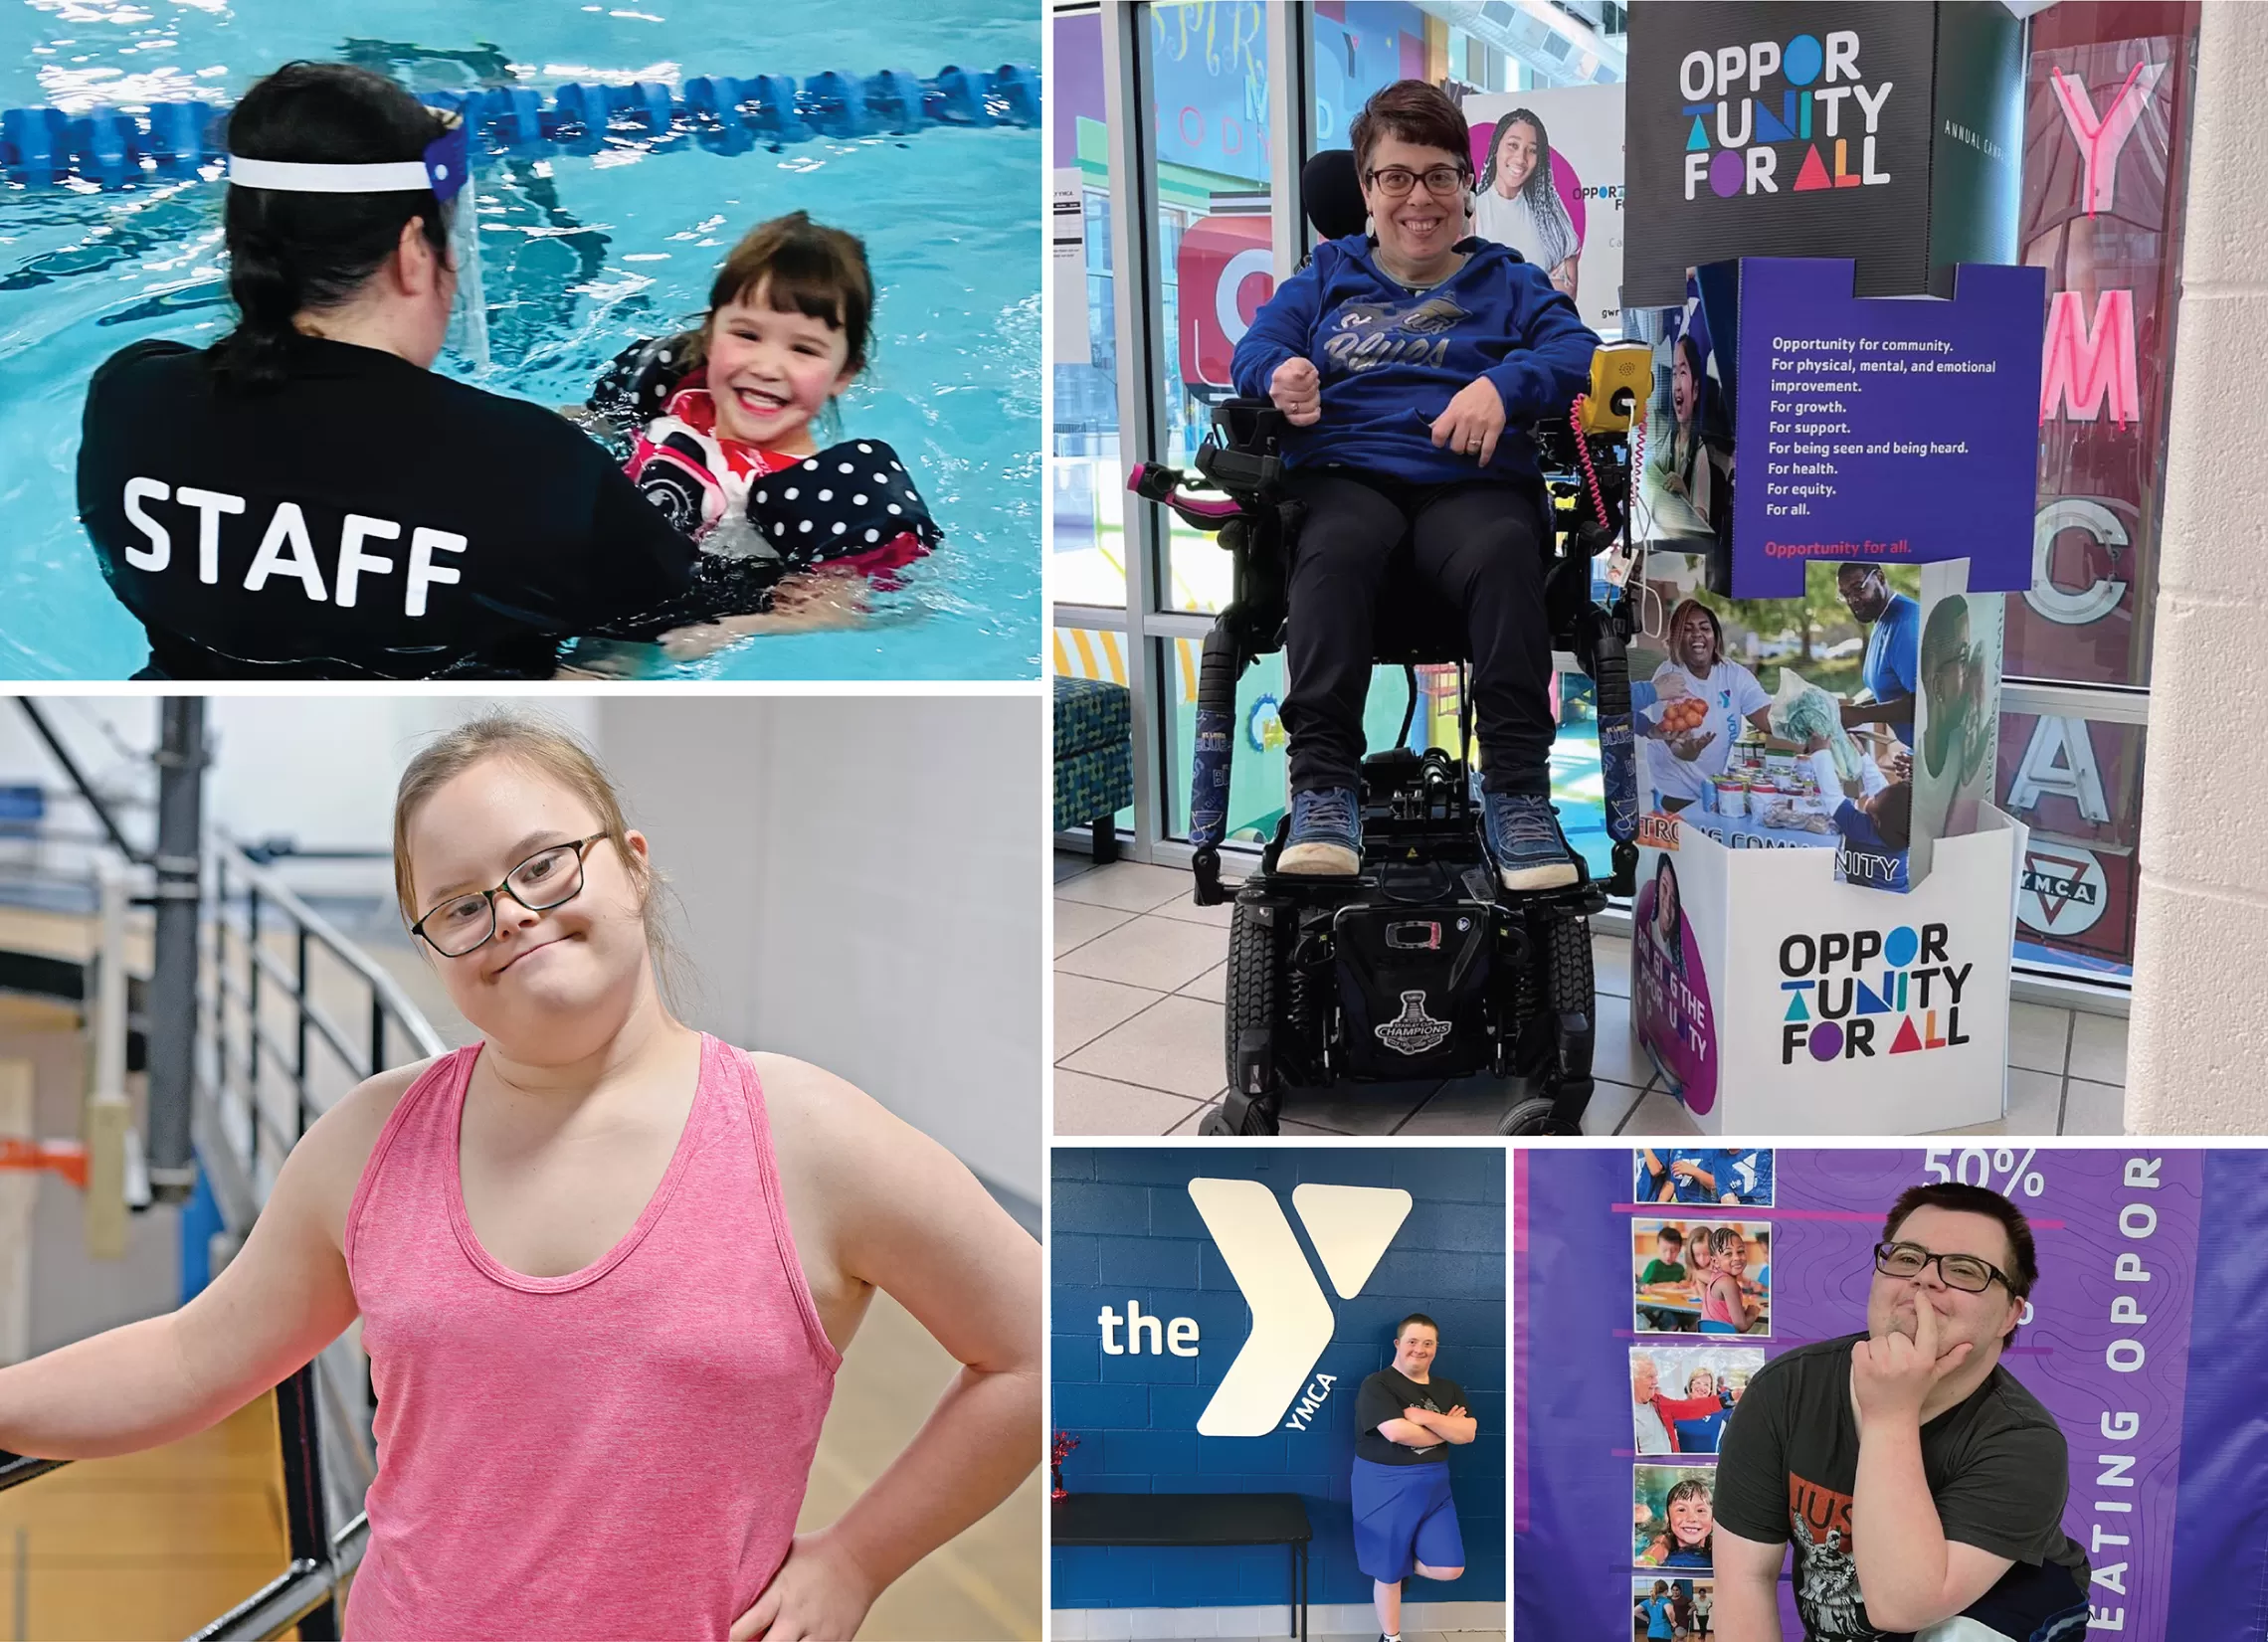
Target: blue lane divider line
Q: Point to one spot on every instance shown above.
(722, 113)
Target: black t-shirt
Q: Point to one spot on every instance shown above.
(1997, 1468)
(1383, 1398)
(366, 518)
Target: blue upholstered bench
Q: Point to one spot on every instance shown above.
(1094, 759)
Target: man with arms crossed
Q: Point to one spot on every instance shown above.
(1406, 1417)
(1921, 1485)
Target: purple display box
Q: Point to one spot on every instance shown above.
(1894, 429)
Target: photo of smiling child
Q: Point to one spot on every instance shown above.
(1672, 1516)
(723, 419)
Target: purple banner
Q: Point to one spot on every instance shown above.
(1901, 430)
(2105, 1348)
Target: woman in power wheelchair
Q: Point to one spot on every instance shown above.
(1392, 933)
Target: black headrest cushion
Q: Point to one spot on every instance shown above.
(1333, 193)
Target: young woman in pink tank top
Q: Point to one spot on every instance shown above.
(606, 1267)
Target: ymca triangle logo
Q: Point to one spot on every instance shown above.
(1350, 1225)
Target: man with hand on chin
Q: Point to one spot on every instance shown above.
(1922, 1487)
(1406, 1419)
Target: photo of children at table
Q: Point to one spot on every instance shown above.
(1702, 1175)
(1723, 1283)
(1672, 1516)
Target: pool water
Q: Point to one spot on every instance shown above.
(580, 255)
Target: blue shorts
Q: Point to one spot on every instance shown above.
(1404, 1515)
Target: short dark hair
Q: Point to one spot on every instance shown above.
(1415, 112)
(1972, 1199)
(1670, 1234)
(1417, 1317)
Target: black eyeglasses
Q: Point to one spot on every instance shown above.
(1394, 181)
(551, 878)
(1961, 1271)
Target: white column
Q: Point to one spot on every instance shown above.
(2200, 1014)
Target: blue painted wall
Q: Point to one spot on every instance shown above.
(1124, 1228)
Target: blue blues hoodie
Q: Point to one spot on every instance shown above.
(1390, 362)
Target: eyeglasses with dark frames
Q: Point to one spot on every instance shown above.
(551, 878)
(1965, 1272)
(1395, 181)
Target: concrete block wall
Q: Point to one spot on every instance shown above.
(2200, 1023)
(1124, 1228)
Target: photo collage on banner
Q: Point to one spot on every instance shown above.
(2115, 1348)
(1705, 1275)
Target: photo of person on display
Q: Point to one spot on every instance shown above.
(1916, 1477)
(1957, 749)
(1702, 1175)
(1892, 670)
(1517, 202)
(1669, 1610)
(1674, 1516)
(1665, 927)
(1724, 1285)
(1407, 1417)
(1692, 1422)
(1681, 764)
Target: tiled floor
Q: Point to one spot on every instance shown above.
(1139, 971)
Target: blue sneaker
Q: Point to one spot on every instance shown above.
(1524, 836)
(1326, 840)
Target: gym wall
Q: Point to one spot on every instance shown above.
(1126, 1229)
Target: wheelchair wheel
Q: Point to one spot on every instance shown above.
(1250, 1027)
(1568, 981)
(1537, 1116)
(1256, 1119)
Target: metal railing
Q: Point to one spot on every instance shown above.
(250, 919)
(247, 903)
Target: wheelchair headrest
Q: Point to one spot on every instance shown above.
(1334, 193)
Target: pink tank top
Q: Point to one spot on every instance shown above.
(620, 1452)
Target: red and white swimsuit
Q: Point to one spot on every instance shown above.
(851, 504)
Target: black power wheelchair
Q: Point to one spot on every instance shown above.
(1422, 966)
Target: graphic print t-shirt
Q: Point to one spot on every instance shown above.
(1997, 1468)
(1383, 1398)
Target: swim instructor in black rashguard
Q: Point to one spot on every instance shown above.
(305, 498)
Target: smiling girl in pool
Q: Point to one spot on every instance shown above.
(731, 459)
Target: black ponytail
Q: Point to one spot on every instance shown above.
(289, 251)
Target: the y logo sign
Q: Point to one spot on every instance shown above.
(1350, 1226)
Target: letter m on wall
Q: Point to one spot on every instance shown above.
(2087, 364)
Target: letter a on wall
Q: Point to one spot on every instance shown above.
(1291, 1317)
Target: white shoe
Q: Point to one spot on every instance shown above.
(1319, 860)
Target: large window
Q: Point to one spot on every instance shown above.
(2105, 131)
(1088, 523)
(1210, 103)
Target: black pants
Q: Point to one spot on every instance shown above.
(1479, 543)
